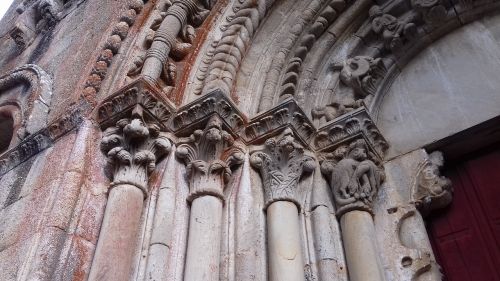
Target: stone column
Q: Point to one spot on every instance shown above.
(132, 147)
(209, 167)
(165, 36)
(355, 180)
(281, 162)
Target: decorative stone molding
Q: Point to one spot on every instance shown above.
(355, 124)
(286, 114)
(299, 52)
(165, 43)
(38, 141)
(201, 109)
(142, 93)
(40, 85)
(29, 147)
(225, 58)
(430, 190)
(281, 162)
(133, 147)
(354, 177)
(111, 47)
(209, 155)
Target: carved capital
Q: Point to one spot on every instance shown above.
(354, 177)
(281, 162)
(431, 190)
(133, 147)
(353, 125)
(209, 155)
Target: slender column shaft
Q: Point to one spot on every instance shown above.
(202, 262)
(358, 234)
(162, 43)
(119, 231)
(284, 246)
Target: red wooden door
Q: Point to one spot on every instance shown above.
(466, 236)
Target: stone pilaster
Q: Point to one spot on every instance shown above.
(133, 146)
(281, 162)
(209, 155)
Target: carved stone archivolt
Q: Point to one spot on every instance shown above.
(281, 163)
(133, 147)
(209, 155)
(430, 190)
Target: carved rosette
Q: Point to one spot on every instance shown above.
(281, 162)
(133, 148)
(209, 155)
(431, 191)
(354, 177)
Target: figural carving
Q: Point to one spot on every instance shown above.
(394, 32)
(355, 179)
(281, 163)
(209, 155)
(133, 147)
(431, 190)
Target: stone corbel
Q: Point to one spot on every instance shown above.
(281, 162)
(430, 190)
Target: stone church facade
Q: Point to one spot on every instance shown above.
(241, 139)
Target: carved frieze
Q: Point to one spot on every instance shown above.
(286, 114)
(139, 92)
(355, 124)
(201, 109)
(22, 152)
(431, 190)
(133, 147)
(281, 162)
(209, 155)
(354, 177)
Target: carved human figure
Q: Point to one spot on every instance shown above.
(355, 179)
(432, 191)
(392, 30)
